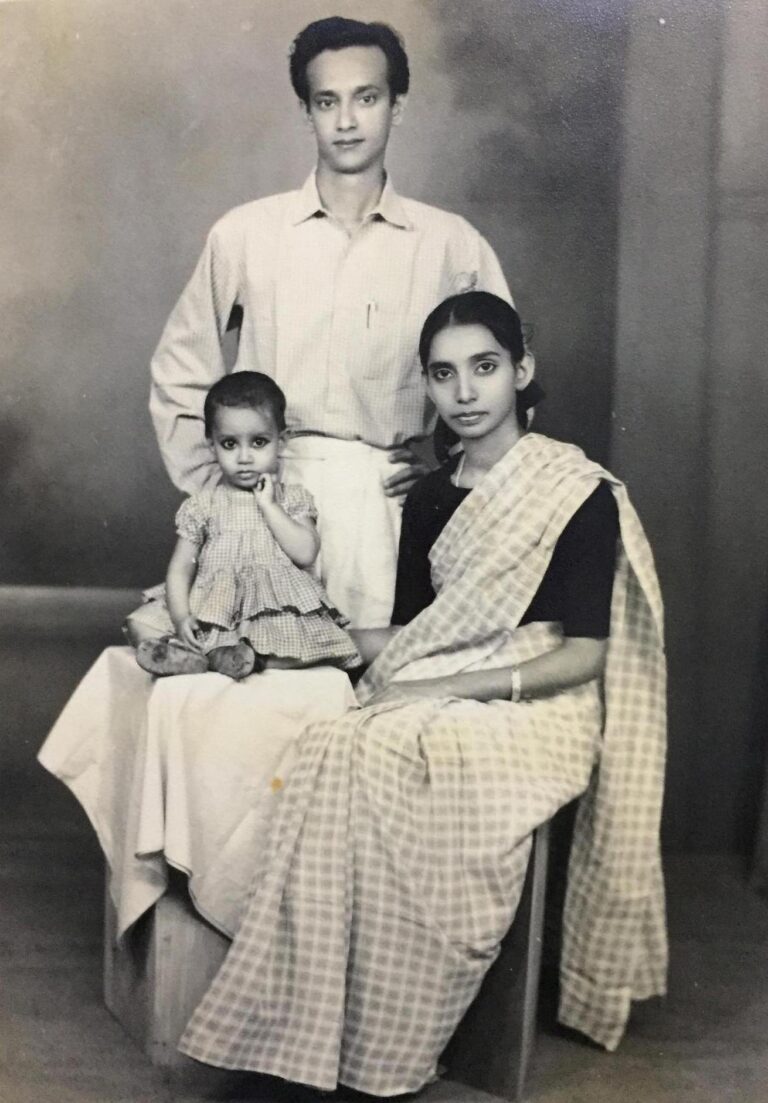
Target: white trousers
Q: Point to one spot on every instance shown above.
(359, 526)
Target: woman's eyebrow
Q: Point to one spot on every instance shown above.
(483, 355)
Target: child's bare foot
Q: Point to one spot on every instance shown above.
(168, 656)
(236, 660)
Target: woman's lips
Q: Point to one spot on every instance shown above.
(469, 419)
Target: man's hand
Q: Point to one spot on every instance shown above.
(187, 629)
(398, 485)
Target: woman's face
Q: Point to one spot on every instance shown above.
(473, 382)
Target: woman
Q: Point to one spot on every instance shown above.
(398, 854)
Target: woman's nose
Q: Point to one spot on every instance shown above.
(465, 388)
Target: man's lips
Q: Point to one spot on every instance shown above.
(347, 143)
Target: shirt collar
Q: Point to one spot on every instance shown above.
(390, 207)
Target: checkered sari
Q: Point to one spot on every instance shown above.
(399, 851)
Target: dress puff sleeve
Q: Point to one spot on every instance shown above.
(192, 518)
(298, 502)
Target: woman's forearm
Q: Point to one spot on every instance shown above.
(573, 663)
(370, 642)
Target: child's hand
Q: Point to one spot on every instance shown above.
(187, 630)
(265, 489)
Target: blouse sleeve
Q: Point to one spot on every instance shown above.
(192, 519)
(585, 557)
(299, 503)
(413, 586)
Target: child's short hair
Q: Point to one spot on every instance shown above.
(245, 388)
(336, 33)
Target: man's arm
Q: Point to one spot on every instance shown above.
(489, 274)
(189, 360)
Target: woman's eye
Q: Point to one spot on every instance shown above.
(485, 367)
(441, 374)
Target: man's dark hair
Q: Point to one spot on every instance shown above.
(336, 33)
(249, 389)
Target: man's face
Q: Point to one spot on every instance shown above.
(350, 108)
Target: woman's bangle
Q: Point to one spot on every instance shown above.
(517, 685)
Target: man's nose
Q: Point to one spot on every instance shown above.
(347, 119)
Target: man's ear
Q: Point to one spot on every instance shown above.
(398, 109)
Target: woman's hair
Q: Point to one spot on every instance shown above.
(479, 308)
(475, 308)
(241, 389)
(336, 33)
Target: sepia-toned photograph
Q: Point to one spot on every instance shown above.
(384, 551)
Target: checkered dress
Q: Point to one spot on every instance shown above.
(247, 586)
(398, 853)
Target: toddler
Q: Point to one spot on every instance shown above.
(238, 595)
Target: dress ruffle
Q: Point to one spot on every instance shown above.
(247, 586)
(220, 598)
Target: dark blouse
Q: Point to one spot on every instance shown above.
(576, 587)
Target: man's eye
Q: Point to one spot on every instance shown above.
(324, 104)
(368, 98)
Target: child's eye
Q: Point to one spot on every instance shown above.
(260, 442)
(227, 443)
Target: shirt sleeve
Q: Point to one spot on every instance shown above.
(298, 502)
(192, 520)
(189, 359)
(585, 560)
(490, 276)
(413, 584)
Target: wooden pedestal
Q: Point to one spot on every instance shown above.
(159, 973)
(156, 977)
(493, 1044)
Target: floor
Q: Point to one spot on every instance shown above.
(706, 1043)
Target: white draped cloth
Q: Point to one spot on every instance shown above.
(184, 772)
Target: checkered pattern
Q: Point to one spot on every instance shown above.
(247, 586)
(334, 319)
(398, 854)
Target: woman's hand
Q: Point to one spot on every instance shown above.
(404, 692)
(187, 629)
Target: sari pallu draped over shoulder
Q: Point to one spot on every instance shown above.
(399, 850)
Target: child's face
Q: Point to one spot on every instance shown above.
(246, 443)
(473, 382)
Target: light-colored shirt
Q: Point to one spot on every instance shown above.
(333, 317)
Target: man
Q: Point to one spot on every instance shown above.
(330, 284)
